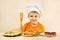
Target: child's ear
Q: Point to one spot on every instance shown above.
(39, 16)
(28, 16)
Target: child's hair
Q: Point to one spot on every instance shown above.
(33, 12)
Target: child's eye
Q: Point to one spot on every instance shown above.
(31, 16)
(35, 16)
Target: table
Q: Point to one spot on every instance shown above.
(29, 38)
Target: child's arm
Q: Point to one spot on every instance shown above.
(24, 28)
(42, 28)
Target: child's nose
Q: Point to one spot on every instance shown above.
(34, 18)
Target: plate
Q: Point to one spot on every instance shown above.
(12, 34)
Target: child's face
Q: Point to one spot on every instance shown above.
(33, 17)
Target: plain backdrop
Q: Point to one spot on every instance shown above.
(10, 11)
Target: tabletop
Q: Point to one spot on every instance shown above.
(29, 38)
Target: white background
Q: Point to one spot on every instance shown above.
(10, 11)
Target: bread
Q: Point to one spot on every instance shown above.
(27, 34)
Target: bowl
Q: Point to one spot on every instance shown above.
(50, 34)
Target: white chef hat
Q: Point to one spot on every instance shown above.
(34, 7)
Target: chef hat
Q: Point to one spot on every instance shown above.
(34, 7)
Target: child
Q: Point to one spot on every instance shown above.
(33, 26)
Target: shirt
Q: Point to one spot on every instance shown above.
(29, 27)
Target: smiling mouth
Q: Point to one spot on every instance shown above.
(34, 24)
(33, 20)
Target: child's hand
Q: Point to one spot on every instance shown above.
(34, 32)
(30, 33)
